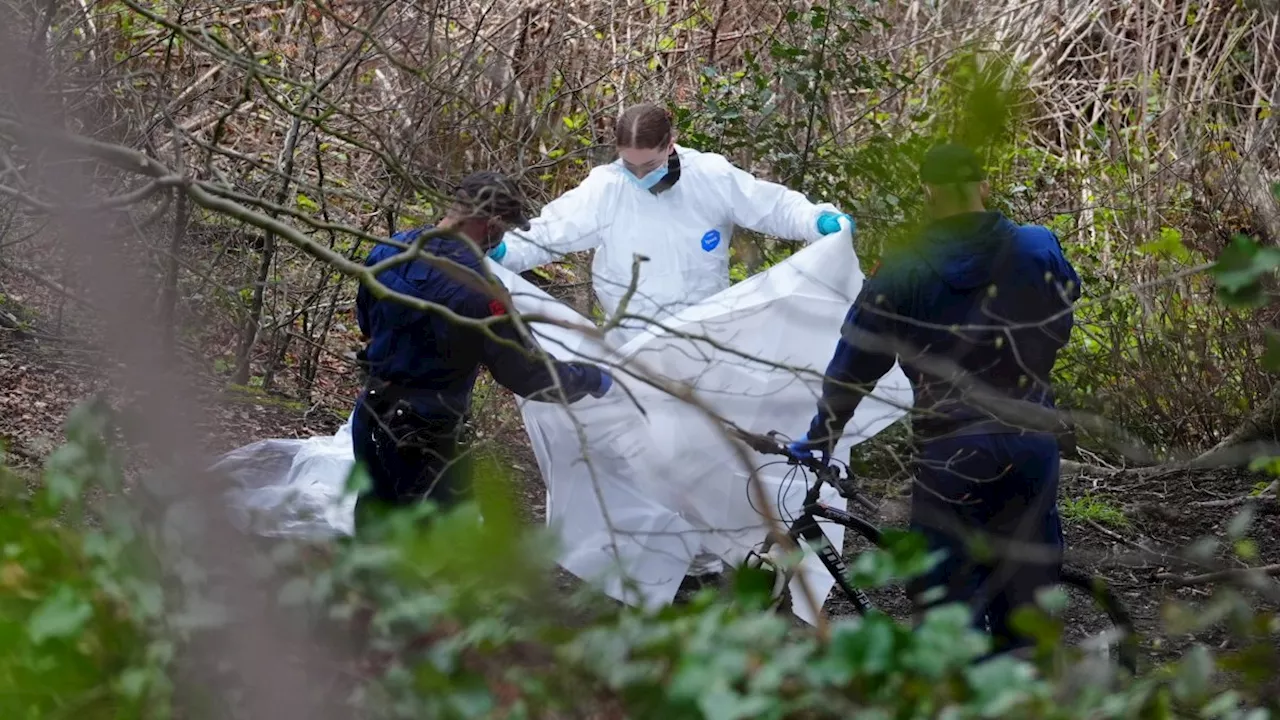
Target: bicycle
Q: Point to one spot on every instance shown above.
(806, 527)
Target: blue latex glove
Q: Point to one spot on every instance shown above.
(606, 382)
(829, 222)
(799, 449)
(498, 251)
(802, 448)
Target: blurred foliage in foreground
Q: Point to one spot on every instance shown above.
(470, 624)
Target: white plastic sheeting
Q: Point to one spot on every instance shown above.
(639, 484)
(292, 487)
(659, 486)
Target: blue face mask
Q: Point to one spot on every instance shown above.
(648, 181)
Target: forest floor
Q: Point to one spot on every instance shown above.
(1125, 527)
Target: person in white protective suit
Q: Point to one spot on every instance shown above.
(673, 205)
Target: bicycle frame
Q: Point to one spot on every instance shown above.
(805, 527)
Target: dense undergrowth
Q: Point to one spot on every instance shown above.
(468, 625)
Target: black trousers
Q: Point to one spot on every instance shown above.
(1005, 487)
(410, 458)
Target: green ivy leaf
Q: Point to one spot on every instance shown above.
(753, 587)
(61, 485)
(1194, 673)
(722, 703)
(944, 640)
(1000, 685)
(871, 647)
(61, 615)
(904, 555)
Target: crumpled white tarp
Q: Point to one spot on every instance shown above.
(639, 484)
(292, 487)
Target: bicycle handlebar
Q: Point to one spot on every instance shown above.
(768, 445)
(763, 444)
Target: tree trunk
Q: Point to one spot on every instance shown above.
(312, 362)
(169, 292)
(279, 348)
(249, 336)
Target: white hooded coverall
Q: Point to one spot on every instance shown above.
(684, 232)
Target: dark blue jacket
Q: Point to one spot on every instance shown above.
(923, 291)
(435, 358)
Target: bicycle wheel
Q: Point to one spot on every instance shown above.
(1113, 637)
(783, 602)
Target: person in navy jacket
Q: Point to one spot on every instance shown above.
(422, 365)
(976, 309)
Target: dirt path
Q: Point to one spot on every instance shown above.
(1132, 529)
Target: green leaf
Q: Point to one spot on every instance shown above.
(869, 646)
(1239, 524)
(1267, 463)
(1222, 705)
(1239, 270)
(475, 701)
(133, 683)
(753, 587)
(1246, 550)
(722, 703)
(1167, 246)
(944, 640)
(1053, 599)
(1194, 673)
(1271, 355)
(61, 487)
(1034, 622)
(904, 555)
(61, 615)
(1000, 685)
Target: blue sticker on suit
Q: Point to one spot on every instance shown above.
(711, 240)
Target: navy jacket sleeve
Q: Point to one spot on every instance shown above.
(862, 356)
(521, 371)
